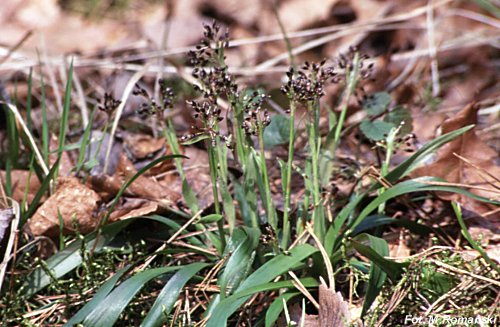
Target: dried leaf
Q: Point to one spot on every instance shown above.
(333, 310)
(72, 200)
(142, 145)
(19, 181)
(134, 208)
(143, 187)
(454, 170)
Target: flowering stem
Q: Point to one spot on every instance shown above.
(352, 78)
(212, 160)
(241, 148)
(315, 146)
(288, 188)
(271, 215)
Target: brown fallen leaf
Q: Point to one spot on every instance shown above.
(454, 170)
(19, 181)
(142, 145)
(133, 207)
(333, 311)
(197, 174)
(72, 200)
(143, 187)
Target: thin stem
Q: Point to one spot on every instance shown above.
(271, 217)
(315, 145)
(385, 165)
(288, 188)
(241, 147)
(352, 79)
(212, 159)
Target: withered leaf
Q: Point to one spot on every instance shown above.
(72, 200)
(454, 170)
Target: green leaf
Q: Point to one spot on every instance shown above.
(377, 103)
(98, 298)
(246, 201)
(63, 125)
(414, 185)
(270, 270)
(381, 220)
(377, 275)
(169, 294)
(112, 306)
(375, 252)
(375, 130)
(306, 281)
(278, 131)
(411, 163)
(175, 227)
(240, 262)
(275, 309)
(228, 205)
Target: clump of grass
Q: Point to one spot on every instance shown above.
(214, 278)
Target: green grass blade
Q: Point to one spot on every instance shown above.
(468, 237)
(84, 144)
(63, 127)
(110, 308)
(13, 152)
(375, 252)
(411, 163)
(39, 194)
(270, 270)
(68, 259)
(29, 97)
(99, 296)
(275, 309)
(381, 220)
(45, 123)
(306, 281)
(240, 262)
(169, 294)
(377, 274)
(410, 186)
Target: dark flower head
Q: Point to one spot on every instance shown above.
(256, 116)
(346, 63)
(211, 47)
(209, 115)
(150, 107)
(309, 82)
(109, 104)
